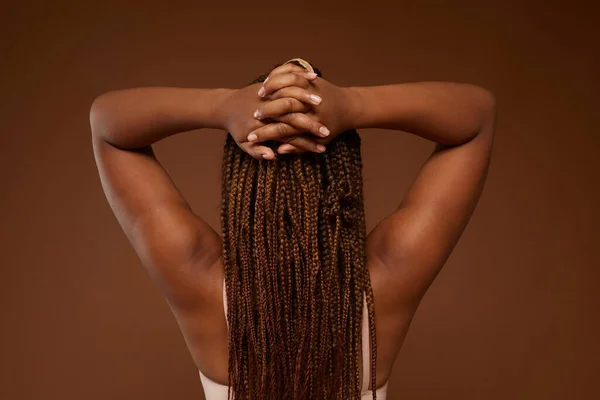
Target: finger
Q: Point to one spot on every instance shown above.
(277, 108)
(284, 80)
(258, 151)
(288, 134)
(297, 93)
(273, 131)
(285, 69)
(288, 148)
(303, 123)
(300, 144)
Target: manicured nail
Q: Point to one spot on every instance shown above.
(262, 91)
(321, 148)
(315, 99)
(324, 131)
(257, 114)
(252, 137)
(311, 75)
(265, 156)
(265, 81)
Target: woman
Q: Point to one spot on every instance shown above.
(295, 300)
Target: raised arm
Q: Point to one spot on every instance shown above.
(414, 242)
(169, 238)
(155, 217)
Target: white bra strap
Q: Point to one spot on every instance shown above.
(225, 303)
(365, 344)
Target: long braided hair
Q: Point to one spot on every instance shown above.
(293, 233)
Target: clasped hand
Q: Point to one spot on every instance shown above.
(294, 107)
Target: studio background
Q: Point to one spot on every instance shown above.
(513, 314)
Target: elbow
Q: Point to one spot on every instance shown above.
(102, 117)
(486, 101)
(489, 103)
(97, 117)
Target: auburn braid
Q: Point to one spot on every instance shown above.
(296, 274)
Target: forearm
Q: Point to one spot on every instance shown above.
(443, 112)
(134, 118)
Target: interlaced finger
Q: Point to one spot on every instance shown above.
(280, 107)
(304, 123)
(280, 81)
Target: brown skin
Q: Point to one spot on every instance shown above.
(332, 112)
(239, 104)
(406, 250)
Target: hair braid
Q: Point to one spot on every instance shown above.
(296, 272)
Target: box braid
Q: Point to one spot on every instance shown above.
(293, 233)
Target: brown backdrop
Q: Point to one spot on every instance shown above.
(514, 314)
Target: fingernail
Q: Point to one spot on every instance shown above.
(261, 92)
(316, 99)
(257, 114)
(324, 131)
(265, 81)
(252, 137)
(311, 75)
(321, 148)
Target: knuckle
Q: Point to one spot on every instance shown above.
(289, 79)
(300, 120)
(289, 103)
(280, 129)
(285, 92)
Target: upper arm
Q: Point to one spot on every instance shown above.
(414, 242)
(159, 223)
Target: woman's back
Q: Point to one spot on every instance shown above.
(218, 391)
(207, 340)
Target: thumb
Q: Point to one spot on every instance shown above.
(258, 151)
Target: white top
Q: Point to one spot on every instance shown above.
(217, 391)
